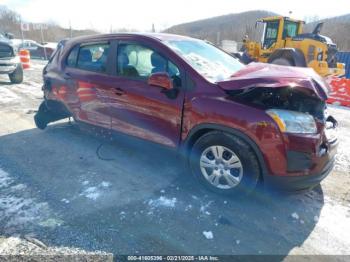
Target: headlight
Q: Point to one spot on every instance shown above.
(293, 122)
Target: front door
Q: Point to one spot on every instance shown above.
(139, 109)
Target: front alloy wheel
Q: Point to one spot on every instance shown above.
(224, 163)
(221, 167)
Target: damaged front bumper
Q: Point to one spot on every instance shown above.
(316, 169)
(295, 183)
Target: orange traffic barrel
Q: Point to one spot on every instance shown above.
(340, 92)
(24, 56)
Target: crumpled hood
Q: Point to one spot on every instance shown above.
(274, 76)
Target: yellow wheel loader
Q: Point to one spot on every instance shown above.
(284, 43)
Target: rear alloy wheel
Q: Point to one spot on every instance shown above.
(282, 62)
(225, 164)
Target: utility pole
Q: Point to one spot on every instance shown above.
(153, 28)
(218, 38)
(70, 30)
(22, 33)
(42, 40)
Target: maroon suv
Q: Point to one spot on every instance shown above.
(236, 124)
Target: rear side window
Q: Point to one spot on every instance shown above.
(93, 57)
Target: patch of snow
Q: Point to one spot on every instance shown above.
(19, 187)
(64, 200)
(17, 208)
(33, 247)
(208, 234)
(91, 193)
(85, 183)
(295, 216)
(316, 219)
(5, 179)
(7, 96)
(331, 232)
(238, 241)
(188, 207)
(342, 115)
(9, 244)
(162, 191)
(94, 192)
(51, 222)
(105, 184)
(203, 208)
(163, 202)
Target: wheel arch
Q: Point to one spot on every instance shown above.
(50, 111)
(201, 129)
(56, 105)
(292, 54)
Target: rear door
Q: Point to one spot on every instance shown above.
(139, 109)
(87, 76)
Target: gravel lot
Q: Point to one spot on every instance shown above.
(57, 195)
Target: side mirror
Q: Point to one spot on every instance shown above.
(161, 79)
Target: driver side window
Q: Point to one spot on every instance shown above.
(134, 60)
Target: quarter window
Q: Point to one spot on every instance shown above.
(72, 57)
(93, 57)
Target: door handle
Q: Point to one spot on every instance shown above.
(118, 91)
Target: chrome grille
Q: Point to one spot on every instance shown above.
(5, 51)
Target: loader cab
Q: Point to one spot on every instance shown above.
(277, 29)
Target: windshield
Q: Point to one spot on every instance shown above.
(212, 63)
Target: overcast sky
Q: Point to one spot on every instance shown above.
(140, 14)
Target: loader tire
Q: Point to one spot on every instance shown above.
(282, 62)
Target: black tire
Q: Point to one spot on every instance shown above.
(282, 61)
(40, 117)
(16, 77)
(251, 169)
(40, 122)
